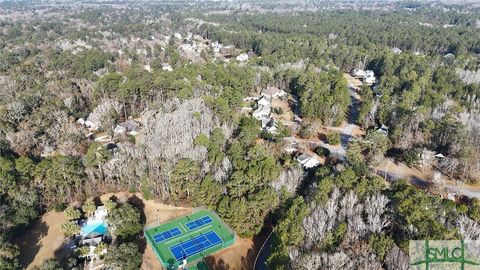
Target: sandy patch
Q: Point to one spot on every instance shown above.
(40, 242)
(239, 256)
(352, 81)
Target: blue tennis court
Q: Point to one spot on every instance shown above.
(197, 223)
(159, 237)
(195, 245)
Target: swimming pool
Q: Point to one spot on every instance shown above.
(94, 227)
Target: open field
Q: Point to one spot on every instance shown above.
(40, 242)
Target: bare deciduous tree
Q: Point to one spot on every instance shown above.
(375, 208)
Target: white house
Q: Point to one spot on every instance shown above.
(167, 67)
(273, 92)
(263, 102)
(290, 149)
(359, 73)
(262, 112)
(369, 77)
(242, 57)
(119, 130)
(100, 213)
(383, 129)
(396, 50)
(308, 161)
(250, 98)
(269, 125)
(90, 124)
(311, 163)
(303, 158)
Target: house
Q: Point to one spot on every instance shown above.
(100, 213)
(311, 163)
(93, 229)
(242, 57)
(90, 124)
(263, 101)
(273, 92)
(396, 50)
(369, 77)
(262, 112)
(119, 130)
(383, 129)
(358, 73)
(130, 125)
(167, 67)
(440, 156)
(291, 148)
(303, 158)
(269, 125)
(308, 161)
(251, 98)
(91, 241)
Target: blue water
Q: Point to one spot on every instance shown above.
(96, 227)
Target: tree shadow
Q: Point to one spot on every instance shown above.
(65, 254)
(29, 242)
(138, 203)
(258, 241)
(114, 199)
(97, 201)
(213, 264)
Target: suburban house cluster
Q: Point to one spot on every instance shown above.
(263, 111)
(367, 76)
(129, 127)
